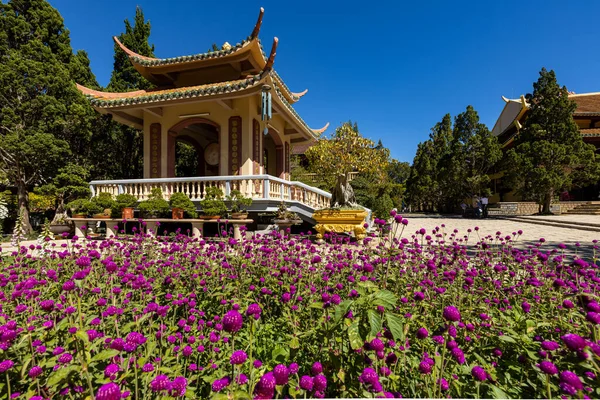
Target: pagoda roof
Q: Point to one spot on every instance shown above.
(587, 103)
(160, 71)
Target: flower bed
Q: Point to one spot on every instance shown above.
(432, 314)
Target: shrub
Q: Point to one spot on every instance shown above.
(213, 203)
(156, 205)
(238, 202)
(180, 200)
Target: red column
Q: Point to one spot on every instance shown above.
(235, 145)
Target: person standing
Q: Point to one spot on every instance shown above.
(484, 205)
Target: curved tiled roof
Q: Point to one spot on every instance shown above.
(109, 100)
(291, 109)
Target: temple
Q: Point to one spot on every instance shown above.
(231, 106)
(511, 120)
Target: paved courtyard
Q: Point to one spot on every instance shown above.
(532, 232)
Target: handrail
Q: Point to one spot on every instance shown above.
(212, 179)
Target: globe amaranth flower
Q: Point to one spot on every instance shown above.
(281, 374)
(569, 380)
(425, 367)
(160, 383)
(593, 317)
(370, 379)
(306, 383)
(550, 345)
(148, 367)
(109, 391)
(65, 358)
(422, 333)
(458, 355)
(548, 367)
(320, 383)
(294, 368)
(479, 373)
(232, 321)
(179, 386)
(574, 342)
(451, 313)
(238, 357)
(111, 371)
(35, 371)
(443, 384)
(253, 309)
(377, 345)
(220, 384)
(316, 368)
(265, 388)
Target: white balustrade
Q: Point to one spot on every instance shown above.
(257, 187)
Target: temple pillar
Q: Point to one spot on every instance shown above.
(153, 154)
(235, 136)
(279, 156)
(257, 146)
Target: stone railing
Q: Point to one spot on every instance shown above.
(257, 187)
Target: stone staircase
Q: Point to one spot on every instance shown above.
(590, 208)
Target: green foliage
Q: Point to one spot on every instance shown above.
(69, 184)
(104, 200)
(186, 157)
(284, 214)
(156, 205)
(180, 200)
(213, 203)
(549, 154)
(238, 202)
(124, 200)
(454, 163)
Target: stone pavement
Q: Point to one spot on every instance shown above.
(532, 232)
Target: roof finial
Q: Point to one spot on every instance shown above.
(258, 24)
(271, 59)
(323, 129)
(302, 93)
(130, 53)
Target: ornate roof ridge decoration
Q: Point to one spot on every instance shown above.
(295, 114)
(152, 61)
(584, 94)
(290, 96)
(111, 99)
(321, 130)
(271, 59)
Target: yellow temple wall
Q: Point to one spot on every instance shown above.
(247, 108)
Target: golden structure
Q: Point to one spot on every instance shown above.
(340, 221)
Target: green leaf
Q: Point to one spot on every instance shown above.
(374, 322)
(59, 375)
(341, 310)
(394, 324)
(105, 355)
(280, 354)
(241, 395)
(385, 298)
(498, 393)
(294, 342)
(354, 335)
(317, 304)
(506, 338)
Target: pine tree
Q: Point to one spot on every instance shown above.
(42, 114)
(549, 153)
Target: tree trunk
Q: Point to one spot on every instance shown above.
(547, 201)
(23, 206)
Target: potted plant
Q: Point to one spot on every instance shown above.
(155, 206)
(284, 218)
(124, 203)
(239, 204)
(213, 205)
(181, 204)
(106, 203)
(78, 208)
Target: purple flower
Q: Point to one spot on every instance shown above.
(35, 371)
(593, 317)
(458, 355)
(220, 384)
(238, 357)
(253, 309)
(370, 379)
(160, 383)
(425, 367)
(550, 345)
(148, 367)
(571, 379)
(573, 341)
(376, 345)
(281, 374)
(109, 391)
(320, 382)
(294, 368)
(526, 307)
(422, 333)
(306, 383)
(451, 313)
(316, 368)
(479, 373)
(111, 371)
(548, 368)
(265, 388)
(65, 358)
(178, 386)
(232, 321)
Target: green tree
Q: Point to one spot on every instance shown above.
(346, 151)
(42, 113)
(549, 153)
(121, 147)
(69, 184)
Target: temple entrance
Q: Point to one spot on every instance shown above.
(273, 154)
(194, 150)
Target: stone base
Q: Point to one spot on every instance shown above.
(340, 221)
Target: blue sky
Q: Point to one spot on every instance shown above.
(395, 67)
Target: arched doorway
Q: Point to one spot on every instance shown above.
(273, 156)
(188, 142)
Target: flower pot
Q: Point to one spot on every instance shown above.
(127, 213)
(210, 217)
(239, 215)
(178, 213)
(59, 229)
(101, 216)
(79, 215)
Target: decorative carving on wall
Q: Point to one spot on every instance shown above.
(235, 145)
(155, 150)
